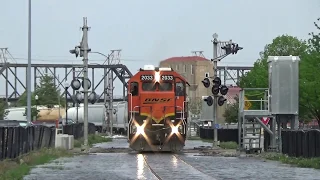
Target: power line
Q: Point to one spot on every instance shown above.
(19, 59)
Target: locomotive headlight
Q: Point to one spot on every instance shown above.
(140, 130)
(137, 129)
(157, 76)
(174, 129)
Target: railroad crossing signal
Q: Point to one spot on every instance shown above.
(216, 85)
(232, 48)
(265, 120)
(206, 82)
(216, 88)
(247, 103)
(221, 100)
(209, 100)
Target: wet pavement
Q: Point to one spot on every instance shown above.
(127, 166)
(123, 143)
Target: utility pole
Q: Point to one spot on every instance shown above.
(215, 107)
(110, 88)
(109, 96)
(85, 49)
(29, 67)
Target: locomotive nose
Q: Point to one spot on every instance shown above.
(157, 115)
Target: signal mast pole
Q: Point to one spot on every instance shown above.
(215, 98)
(86, 50)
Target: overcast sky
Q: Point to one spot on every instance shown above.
(149, 31)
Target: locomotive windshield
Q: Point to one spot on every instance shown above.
(165, 86)
(151, 86)
(148, 86)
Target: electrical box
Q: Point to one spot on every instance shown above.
(284, 84)
(206, 111)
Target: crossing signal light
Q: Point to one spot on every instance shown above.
(224, 90)
(227, 48)
(216, 81)
(206, 82)
(231, 48)
(221, 100)
(75, 51)
(92, 97)
(209, 100)
(216, 85)
(215, 90)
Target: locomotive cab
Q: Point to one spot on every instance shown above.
(157, 110)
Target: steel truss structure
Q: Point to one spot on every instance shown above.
(9, 71)
(226, 73)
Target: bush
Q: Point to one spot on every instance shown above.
(92, 139)
(229, 145)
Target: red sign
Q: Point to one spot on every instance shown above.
(265, 120)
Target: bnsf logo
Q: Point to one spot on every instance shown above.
(156, 100)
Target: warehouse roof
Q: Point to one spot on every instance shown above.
(185, 58)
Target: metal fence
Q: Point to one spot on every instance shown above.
(298, 143)
(224, 135)
(77, 130)
(15, 141)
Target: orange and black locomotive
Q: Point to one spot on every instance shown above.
(157, 110)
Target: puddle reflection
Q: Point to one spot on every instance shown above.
(174, 161)
(140, 166)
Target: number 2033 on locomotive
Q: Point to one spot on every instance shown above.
(167, 78)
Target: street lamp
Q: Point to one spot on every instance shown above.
(215, 36)
(66, 86)
(36, 98)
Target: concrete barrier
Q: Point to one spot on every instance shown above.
(64, 141)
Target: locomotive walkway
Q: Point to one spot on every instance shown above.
(165, 166)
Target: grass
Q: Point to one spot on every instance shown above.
(21, 166)
(92, 139)
(229, 145)
(300, 162)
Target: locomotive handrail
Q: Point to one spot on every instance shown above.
(129, 124)
(132, 114)
(184, 104)
(130, 107)
(184, 123)
(182, 113)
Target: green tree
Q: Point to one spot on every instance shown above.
(314, 42)
(231, 112)
(2, 108)
(283, 45)
(195, 105)
(48, 95)
(309, 106)
(22, 101)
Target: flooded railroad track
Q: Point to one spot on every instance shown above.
(167, 166)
